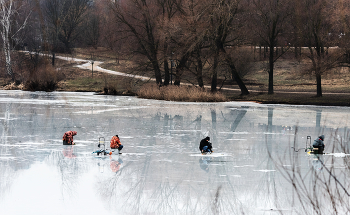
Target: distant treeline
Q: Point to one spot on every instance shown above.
(176, 39)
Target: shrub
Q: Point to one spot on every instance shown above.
(43, 78)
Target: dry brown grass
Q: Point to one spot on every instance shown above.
(45, 78)
(13, 86)
(179, 93)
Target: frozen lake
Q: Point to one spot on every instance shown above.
(161, 170)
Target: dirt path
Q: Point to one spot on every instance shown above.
(96, 67)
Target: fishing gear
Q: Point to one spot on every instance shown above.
(104, 151)
(307, 147)
(308, 139)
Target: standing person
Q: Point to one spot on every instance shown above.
(116, 144)
(318, 145)
(205, 146)
(68, 138)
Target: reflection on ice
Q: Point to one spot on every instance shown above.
(160, 170)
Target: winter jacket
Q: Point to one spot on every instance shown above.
(318, 143)
(68, 136)
(203, 143)
(115, 142)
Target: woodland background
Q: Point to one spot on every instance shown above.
(261, 46)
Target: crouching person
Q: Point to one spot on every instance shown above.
(68, 138)
(116, 144)
(205, 146)
(318, 145)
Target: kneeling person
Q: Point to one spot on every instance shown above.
(115, 143)
(205, 146)
(318, 145)
(68, 138)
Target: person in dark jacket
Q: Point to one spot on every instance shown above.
(205, 146)
(68, 138)
(318, 145)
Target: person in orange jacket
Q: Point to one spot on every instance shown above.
(115, 143)
(68, 138)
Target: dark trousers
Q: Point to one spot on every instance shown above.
(318, 150)
(66, 143)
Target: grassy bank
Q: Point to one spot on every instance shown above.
(296, 98)
(291, 85)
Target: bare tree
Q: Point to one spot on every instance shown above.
(269, 20)
(191, 37)
(92, 30)
(8, 9)
(319, 35)
(226, 29)
(64, 20)
(139, 25)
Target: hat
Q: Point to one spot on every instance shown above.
(116, 135)
(321, 137)
(207, 138)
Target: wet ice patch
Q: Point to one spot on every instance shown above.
(7, 158)
(243, 166)
(273, 209)
(79, 145)
(31, 143)
(11, 145)
(233, 132)
(341, 154)
(265, 170)
(106, 110)
(181, 131)
(133, 154)
(212, 155)
(237, 139)
(84, 153)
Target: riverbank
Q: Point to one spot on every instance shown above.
(294, 98)
(121, 78)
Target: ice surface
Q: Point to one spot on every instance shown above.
(161, 170)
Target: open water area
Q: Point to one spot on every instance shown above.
(161, 171)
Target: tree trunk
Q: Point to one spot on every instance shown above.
(166, 72)
(5, 34)
(271, 64)
(214, 78)
(180, 68)
(53, 59)
(7, 53)
(235, 75)
(318, 83)
(166, 65)
(199, 70)
(157, 73)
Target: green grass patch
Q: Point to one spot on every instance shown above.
(85, 84)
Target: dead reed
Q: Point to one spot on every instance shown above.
(179, 93)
